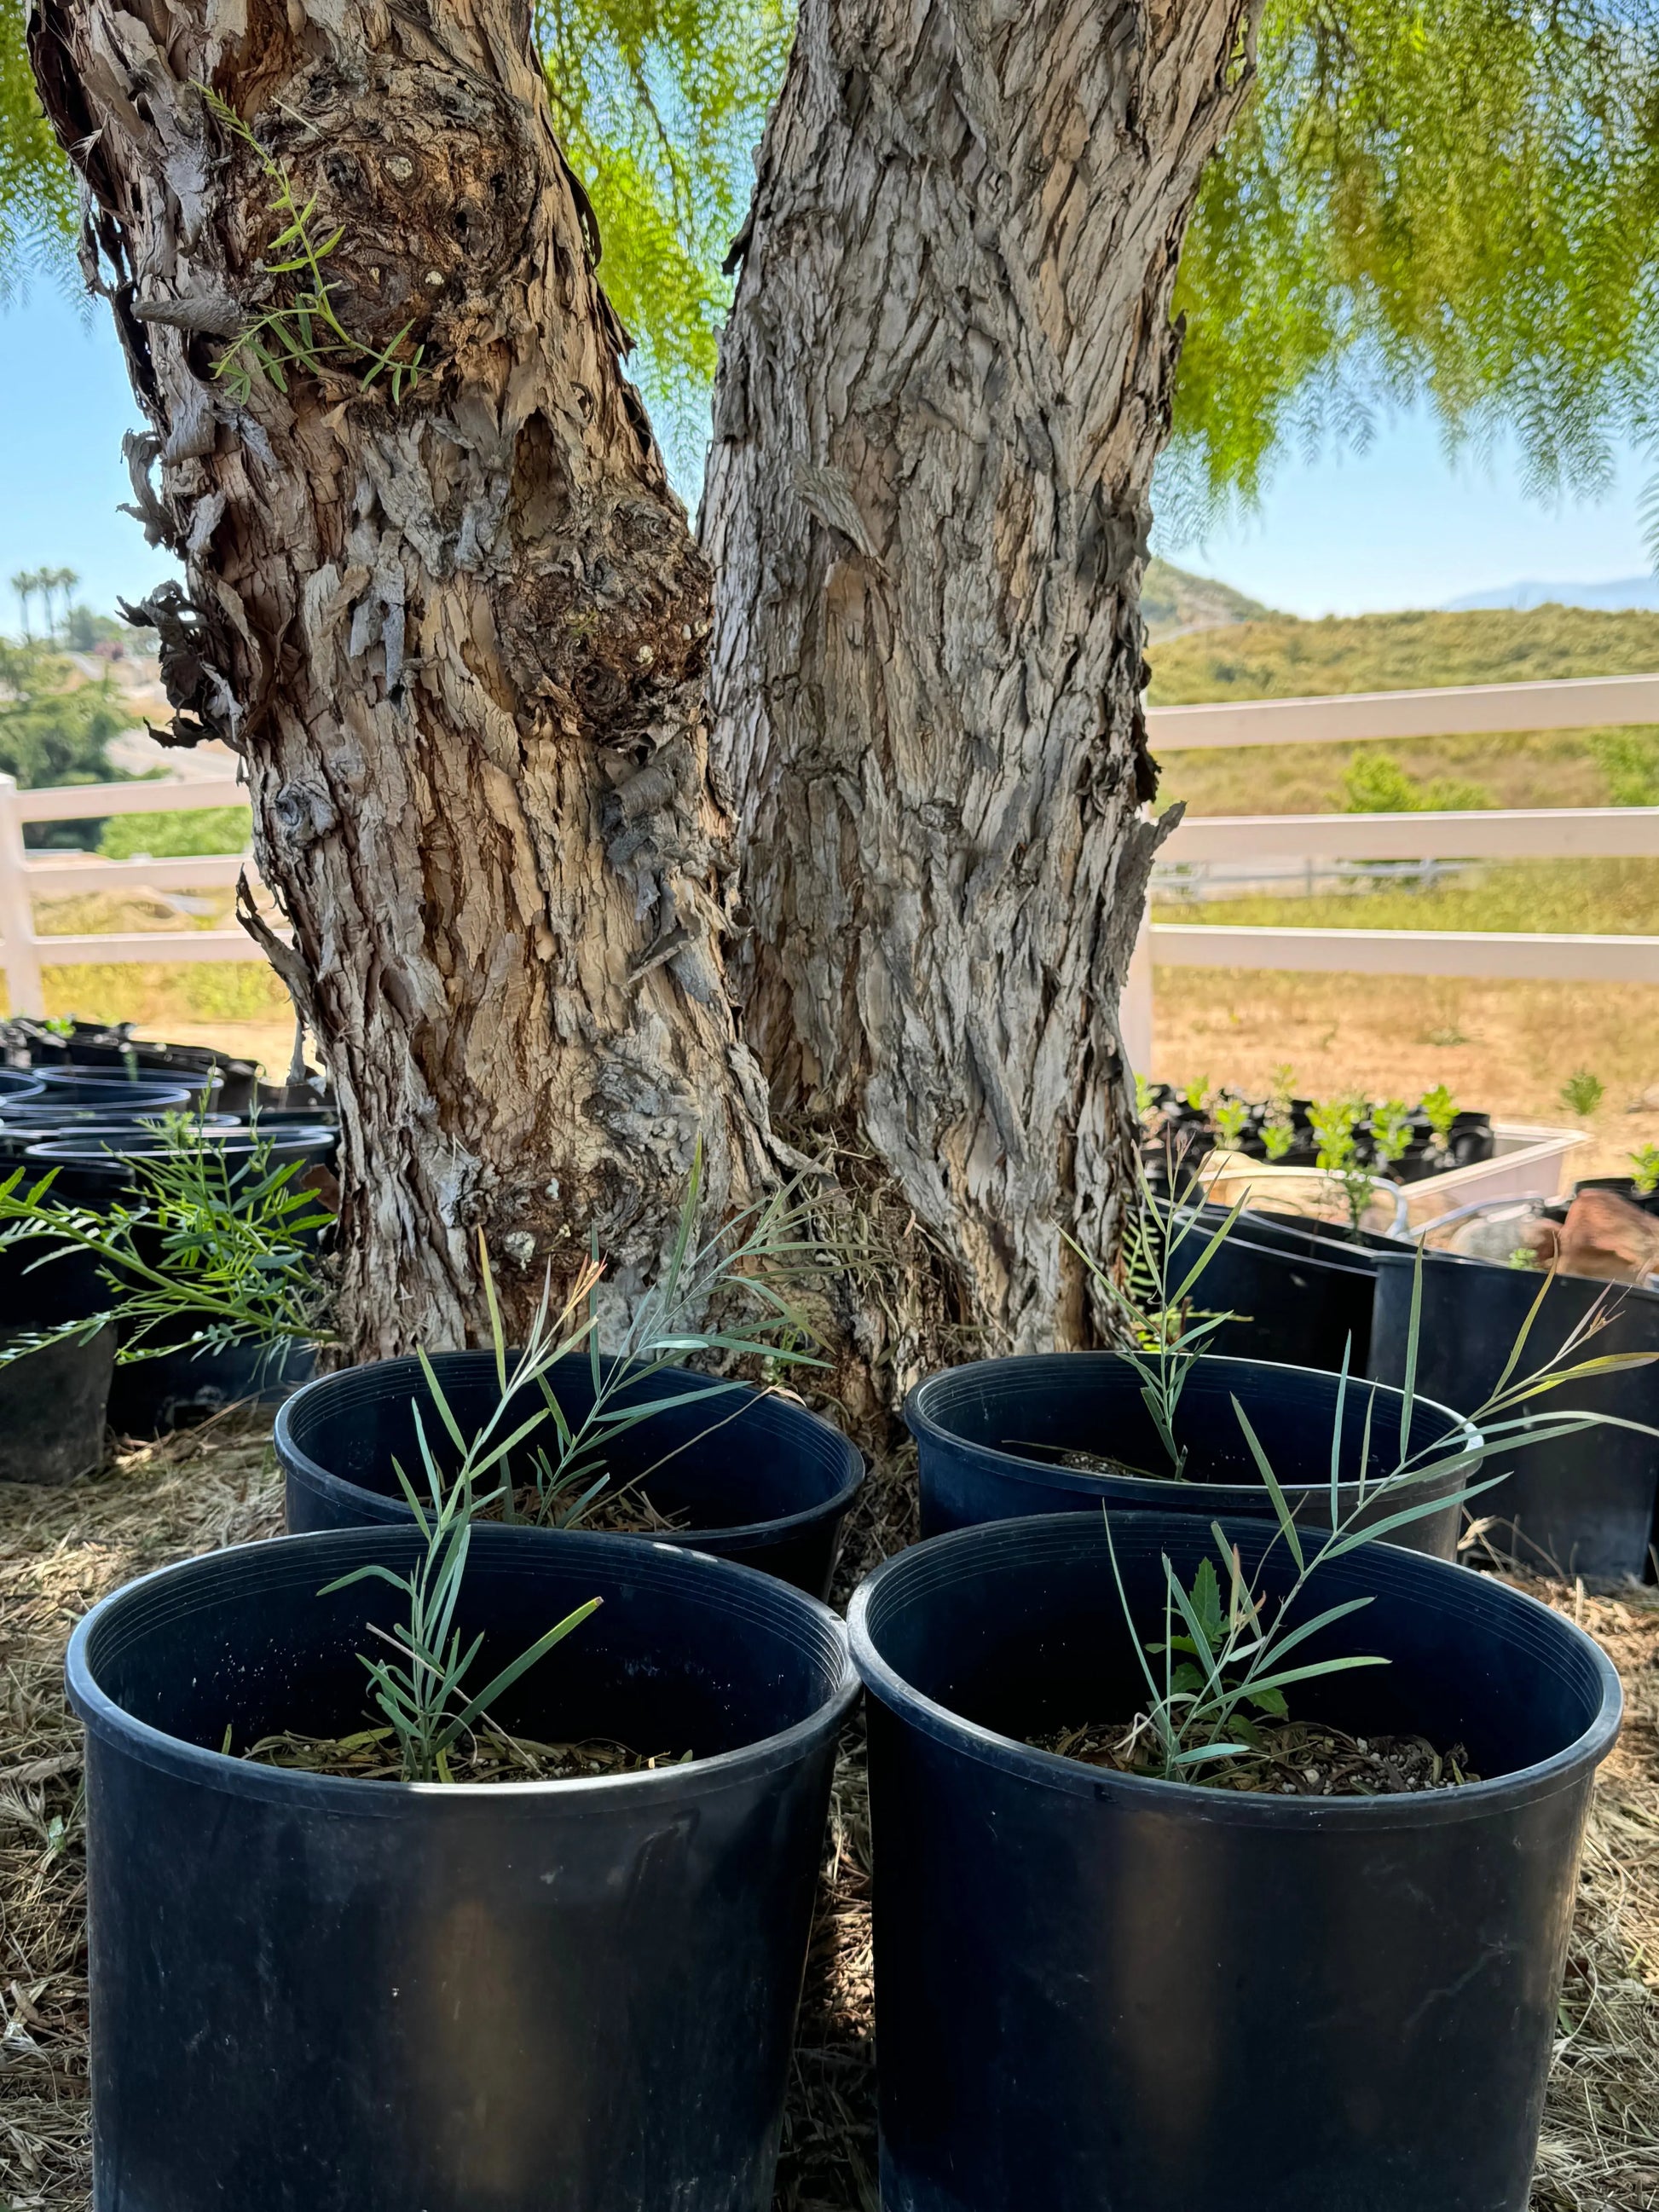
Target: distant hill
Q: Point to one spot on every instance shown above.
(1174, 601)
(1280, 658)
(1627, 591)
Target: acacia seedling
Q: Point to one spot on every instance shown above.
(1220, 1664)
(420, 1689)
(213, 1251)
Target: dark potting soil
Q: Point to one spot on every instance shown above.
(1293, 1759)
(490, 1756)
(1083, 1462)
(624, 1512)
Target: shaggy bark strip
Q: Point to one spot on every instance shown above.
(942, 391)
(458, 635)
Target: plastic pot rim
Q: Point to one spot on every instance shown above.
(71, 1147)
(1537, 1277)
(924, 1428)
(1331, 1262)
(747, 1536)
(1185, 1800)
(103, 1717)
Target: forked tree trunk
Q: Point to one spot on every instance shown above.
(458, 635)
(459, 632)
(946, 381)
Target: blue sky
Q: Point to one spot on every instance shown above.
(1397, 527)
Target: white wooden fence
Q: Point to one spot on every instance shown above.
(1369, 717)
(1563, 833)
(27, 876)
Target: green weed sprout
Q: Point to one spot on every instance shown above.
(1224, 1663)
(307, 333)
(1195, 1093)
(1644, 1171)
(1439, 1109)
(1231, 1118)
(1143, 1099)
(1583, 1092)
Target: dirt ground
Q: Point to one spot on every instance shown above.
(1505, 1048)
(59, 1551)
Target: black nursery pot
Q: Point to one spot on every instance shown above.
(1621, 1186)
(75, 1087)
(356, 1996)
(1094, 1989)
(751, 1475)
(93, 1167)
(1299, 1299)
(54, 1405)
(102, 1050)
(989, 1438)
(1584, 1505)
(179, 1390)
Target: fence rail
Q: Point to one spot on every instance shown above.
(1578, 702)
(1603, 832)
(24, 879)
(1541, 833)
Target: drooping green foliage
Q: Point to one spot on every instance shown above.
(658, 104)
(1449, 199)
(37, 188)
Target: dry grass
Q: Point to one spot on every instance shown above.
(1600, 2149)
(60, 1551)
(1505, 1047)
(1279, 657)
(1534, 767)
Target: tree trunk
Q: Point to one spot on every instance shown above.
(944, 385)
(457, 630)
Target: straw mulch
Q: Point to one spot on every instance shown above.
(61, 1550)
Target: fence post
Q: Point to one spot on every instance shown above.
(17, 949)
(1134, 1011)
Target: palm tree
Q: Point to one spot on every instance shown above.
(65, 579)
(26, 583)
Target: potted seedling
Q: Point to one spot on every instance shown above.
(1257, 1843)
(1231, 1117)
(1640, 1186)
(195, 1249)
(1152, 1425)
(1439, 1110)
(393, 1903)
(1390, 1130)
(186, 1255)
(633, 1440)
(1580, 1503)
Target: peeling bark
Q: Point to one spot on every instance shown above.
(944, 385)
(458, 638)
(461, 636)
